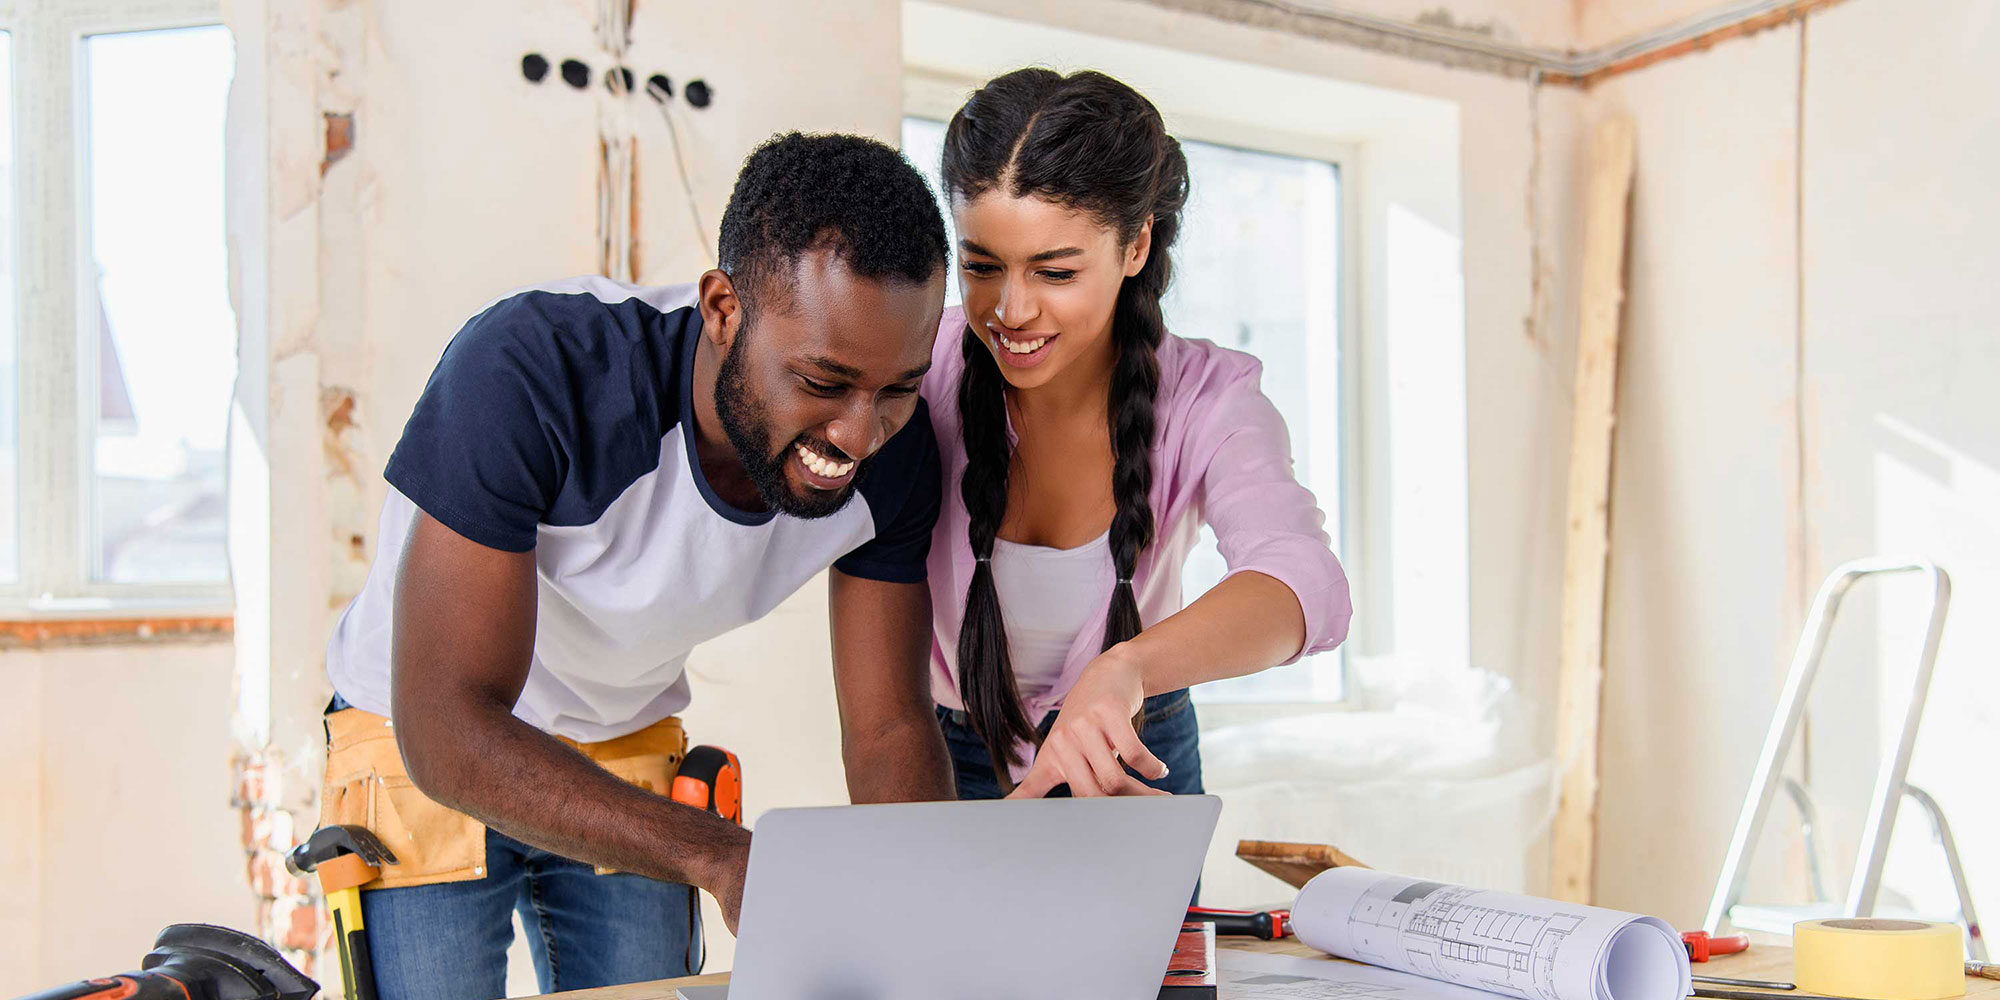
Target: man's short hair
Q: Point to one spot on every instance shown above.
(800, 192)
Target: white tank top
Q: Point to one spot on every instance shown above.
(1047, 596)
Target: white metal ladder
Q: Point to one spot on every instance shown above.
(1890, 784)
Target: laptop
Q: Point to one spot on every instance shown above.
(1058, 899)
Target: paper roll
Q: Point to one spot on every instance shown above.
(1874, 959)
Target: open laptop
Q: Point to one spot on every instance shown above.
(1050, 898)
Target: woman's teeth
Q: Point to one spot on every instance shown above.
(822, 465)
(1021, 346)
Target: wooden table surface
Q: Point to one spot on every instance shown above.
(1762, 961)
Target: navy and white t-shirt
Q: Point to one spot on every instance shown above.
(561, 419)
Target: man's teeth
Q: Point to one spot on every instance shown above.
(1022, 346)
(821, 465)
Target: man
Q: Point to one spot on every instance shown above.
(596, 479)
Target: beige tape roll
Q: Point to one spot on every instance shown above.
(1875, 959)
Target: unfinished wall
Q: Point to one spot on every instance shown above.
(115, 761)
(1701, 606)
(1541, 25)
(1599, 23)
(1721, 530)
(1901, 351)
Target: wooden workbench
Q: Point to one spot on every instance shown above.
(1763, 961)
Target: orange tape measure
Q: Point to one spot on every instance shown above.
(711, 778)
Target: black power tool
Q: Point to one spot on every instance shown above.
(198, 962)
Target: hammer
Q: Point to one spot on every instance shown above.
(345, 858)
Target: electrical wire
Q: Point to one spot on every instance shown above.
(687, 182)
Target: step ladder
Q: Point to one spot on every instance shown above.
(1891, 786)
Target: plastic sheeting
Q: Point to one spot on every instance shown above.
(1428, 769)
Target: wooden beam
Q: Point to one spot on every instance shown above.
(1294, 864)
(1587, 545)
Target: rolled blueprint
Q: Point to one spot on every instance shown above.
(1519, 946)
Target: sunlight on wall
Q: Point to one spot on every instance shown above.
(1426, 348)
(1934, 499)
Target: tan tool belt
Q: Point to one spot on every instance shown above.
(367, 785)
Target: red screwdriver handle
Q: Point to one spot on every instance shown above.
(1701, 947)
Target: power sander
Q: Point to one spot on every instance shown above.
(198, 962)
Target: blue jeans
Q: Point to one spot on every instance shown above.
(1170, 732)
(449, 941)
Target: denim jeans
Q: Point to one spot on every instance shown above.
(1170, 732)
(449, 941)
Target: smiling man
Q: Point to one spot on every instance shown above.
(598, 478)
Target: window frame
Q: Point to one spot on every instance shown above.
(52, 223)
(934, 95)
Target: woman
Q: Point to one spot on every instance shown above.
(1083, 447)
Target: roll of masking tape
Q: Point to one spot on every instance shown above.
(1876, 959)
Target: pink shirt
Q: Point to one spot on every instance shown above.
(1222, 457)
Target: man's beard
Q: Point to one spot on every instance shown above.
(748, 425)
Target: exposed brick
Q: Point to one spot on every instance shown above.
(299, 924)
(250, 782)
(270, 880)
(339, 138)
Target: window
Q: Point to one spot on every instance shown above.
(155, 311)
(121, 356)
(10, 465)
(1257, 269)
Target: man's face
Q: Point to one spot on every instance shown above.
(824, 380)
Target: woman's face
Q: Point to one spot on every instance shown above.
(1039, 281)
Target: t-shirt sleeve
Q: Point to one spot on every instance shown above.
(904, 491)
(479, 453)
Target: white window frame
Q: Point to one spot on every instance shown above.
(54, 370)
(933, 95)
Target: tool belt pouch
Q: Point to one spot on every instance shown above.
(367, 785)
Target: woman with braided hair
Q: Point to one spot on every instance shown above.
(1083, 447)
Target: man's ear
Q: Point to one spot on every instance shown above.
(1141, 248)
(721, 309)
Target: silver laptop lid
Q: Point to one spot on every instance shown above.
(1050, 898)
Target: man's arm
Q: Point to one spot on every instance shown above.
(465, 633)
(889, 735)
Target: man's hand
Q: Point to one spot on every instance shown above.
(1093, 739)
(889, 735)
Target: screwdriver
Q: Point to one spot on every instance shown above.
(1268, 925)
(1701, 946)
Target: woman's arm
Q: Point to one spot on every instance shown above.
(1286, 596)
(1244, 624)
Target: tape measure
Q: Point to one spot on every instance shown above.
(1876, 959)
(711, 778)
